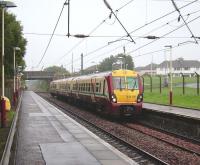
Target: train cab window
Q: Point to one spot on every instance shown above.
(119, 82)
(132, 82)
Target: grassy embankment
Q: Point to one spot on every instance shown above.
(5, 131)
(189, 99)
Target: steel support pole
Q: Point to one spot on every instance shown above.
(14, 89)
(82, 64)
(2, 57)
(3, 109)
(171, 93)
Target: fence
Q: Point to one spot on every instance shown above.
(181, 85)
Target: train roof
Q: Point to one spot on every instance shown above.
(101, 74)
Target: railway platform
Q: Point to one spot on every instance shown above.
(45, 135)
(178, 111)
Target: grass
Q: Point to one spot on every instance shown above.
(188, 100)
(5, 131)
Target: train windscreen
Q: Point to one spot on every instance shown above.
(130, 83)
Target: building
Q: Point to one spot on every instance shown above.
(149, 69)
(179, 66)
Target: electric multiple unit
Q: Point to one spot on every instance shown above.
(118, 92)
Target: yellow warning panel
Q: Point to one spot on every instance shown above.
(8, 106)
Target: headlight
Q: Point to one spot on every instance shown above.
(114, 98)
(140, 98)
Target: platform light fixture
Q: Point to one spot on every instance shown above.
(14, 77)
(170, 67)
(3, 5)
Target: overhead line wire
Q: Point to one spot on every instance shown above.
(177, 9)
(137, 38)
(124, 5)
(80, 41)
(163, 35)
(159, 18)
(130, 32)
(91, 33)
(51, 36)
(64, 35)
(153, 40)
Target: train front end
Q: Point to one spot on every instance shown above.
(126, 92)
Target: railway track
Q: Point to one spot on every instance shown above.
(124, 138)
(169, 138)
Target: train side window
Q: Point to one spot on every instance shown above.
(97, 87)
(100, 87)
(89, 87)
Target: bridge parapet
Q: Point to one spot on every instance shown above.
(38, 75)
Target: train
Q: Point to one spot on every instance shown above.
(116, 93)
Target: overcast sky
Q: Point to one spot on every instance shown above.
(90, 17)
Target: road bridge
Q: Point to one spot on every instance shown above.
(38, 75)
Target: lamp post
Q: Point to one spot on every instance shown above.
(170, 70)
(3, 5)
(96, 70)
(166, 70)
(121, 61)
(14, 77)
(126, 66)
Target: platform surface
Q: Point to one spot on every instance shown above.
(48, 136)
(185, 112)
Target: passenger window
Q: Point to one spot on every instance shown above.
(97, 87)
(100, 87)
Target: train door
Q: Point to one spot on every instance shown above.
(77, 89)
(93, 84)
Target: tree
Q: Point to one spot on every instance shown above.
(59, 72)
(13, 38)
(114, 62)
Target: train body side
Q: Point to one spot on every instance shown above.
(111, 92)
